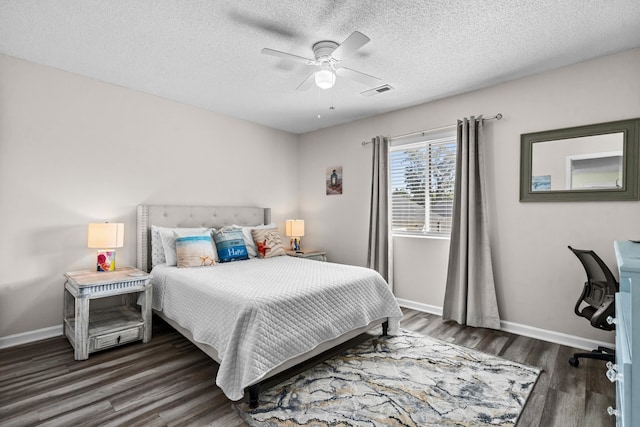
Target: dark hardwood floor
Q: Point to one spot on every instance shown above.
(168, 381)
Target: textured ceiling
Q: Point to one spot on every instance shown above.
(206, 53)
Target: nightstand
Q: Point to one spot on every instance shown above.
(89, 332)
(310, 254)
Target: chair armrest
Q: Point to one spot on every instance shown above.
(599, 318)
(580, 300)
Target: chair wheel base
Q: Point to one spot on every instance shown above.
(573, 361)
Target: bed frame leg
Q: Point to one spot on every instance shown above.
(385, 328)
(254, 392)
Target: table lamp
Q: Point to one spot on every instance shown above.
(294, 228)
(105, 237)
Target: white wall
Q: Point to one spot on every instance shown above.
(74, 150)
(538, 279)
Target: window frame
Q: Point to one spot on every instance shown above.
(442, 136)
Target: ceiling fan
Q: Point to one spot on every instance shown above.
(328, 54)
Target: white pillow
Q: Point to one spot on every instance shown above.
(252, 249)
(168, 238)
(157, 250)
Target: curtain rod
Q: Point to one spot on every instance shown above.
(422, 132)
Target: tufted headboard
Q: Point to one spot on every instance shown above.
(190, 216)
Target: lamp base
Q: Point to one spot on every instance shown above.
(106, 260)
(295, 244)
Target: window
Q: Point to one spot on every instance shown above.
(422, 182)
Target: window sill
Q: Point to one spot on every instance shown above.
(425, 236)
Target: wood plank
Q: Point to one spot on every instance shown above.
(168, 381)
(493, 342)
(564, 410)
(594, 415)
(532, 412)
(571, 380)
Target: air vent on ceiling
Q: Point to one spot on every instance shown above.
(377, 90)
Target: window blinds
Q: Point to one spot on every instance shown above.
(422, 182)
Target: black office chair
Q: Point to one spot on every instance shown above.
(599, 295)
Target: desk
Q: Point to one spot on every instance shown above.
(627, 409)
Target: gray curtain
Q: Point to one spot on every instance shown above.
(470, 295)
(378, 254)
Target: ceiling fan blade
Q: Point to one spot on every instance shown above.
(271, 26)
(288, 56)
(309, 81)
(363, 78)
(348, 47)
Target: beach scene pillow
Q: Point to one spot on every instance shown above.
(194, 251)
(168, 237)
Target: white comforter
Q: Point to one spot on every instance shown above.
(260, 313)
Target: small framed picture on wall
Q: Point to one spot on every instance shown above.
(334, 180)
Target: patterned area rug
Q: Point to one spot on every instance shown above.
(405, 380)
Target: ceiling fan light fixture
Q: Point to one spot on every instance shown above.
(325, 79)
(326, 55)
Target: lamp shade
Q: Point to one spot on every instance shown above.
(325, 79)
(106, 235)
(294, 228)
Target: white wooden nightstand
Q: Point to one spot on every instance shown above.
(309, 254)
(89, 332)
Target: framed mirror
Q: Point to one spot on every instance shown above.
(584, 163)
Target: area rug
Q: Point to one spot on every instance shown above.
(404, 380)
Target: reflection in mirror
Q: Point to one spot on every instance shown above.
(586, 163)
(582, 163)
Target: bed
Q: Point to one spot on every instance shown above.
(261, 316)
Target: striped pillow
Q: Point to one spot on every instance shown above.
(268, 242)
(230, 244)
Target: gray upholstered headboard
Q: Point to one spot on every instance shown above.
(190, 216)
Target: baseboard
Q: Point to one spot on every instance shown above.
(511, 327)
(554, 337)
(520, 329)
(425, 308)
(30, 336)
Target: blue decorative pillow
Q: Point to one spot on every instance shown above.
(230, 244)
(194, 251)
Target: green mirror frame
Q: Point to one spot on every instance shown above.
(631, 152)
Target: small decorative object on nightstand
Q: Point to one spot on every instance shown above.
(294, 228)
(309, 254)
(90, 332)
